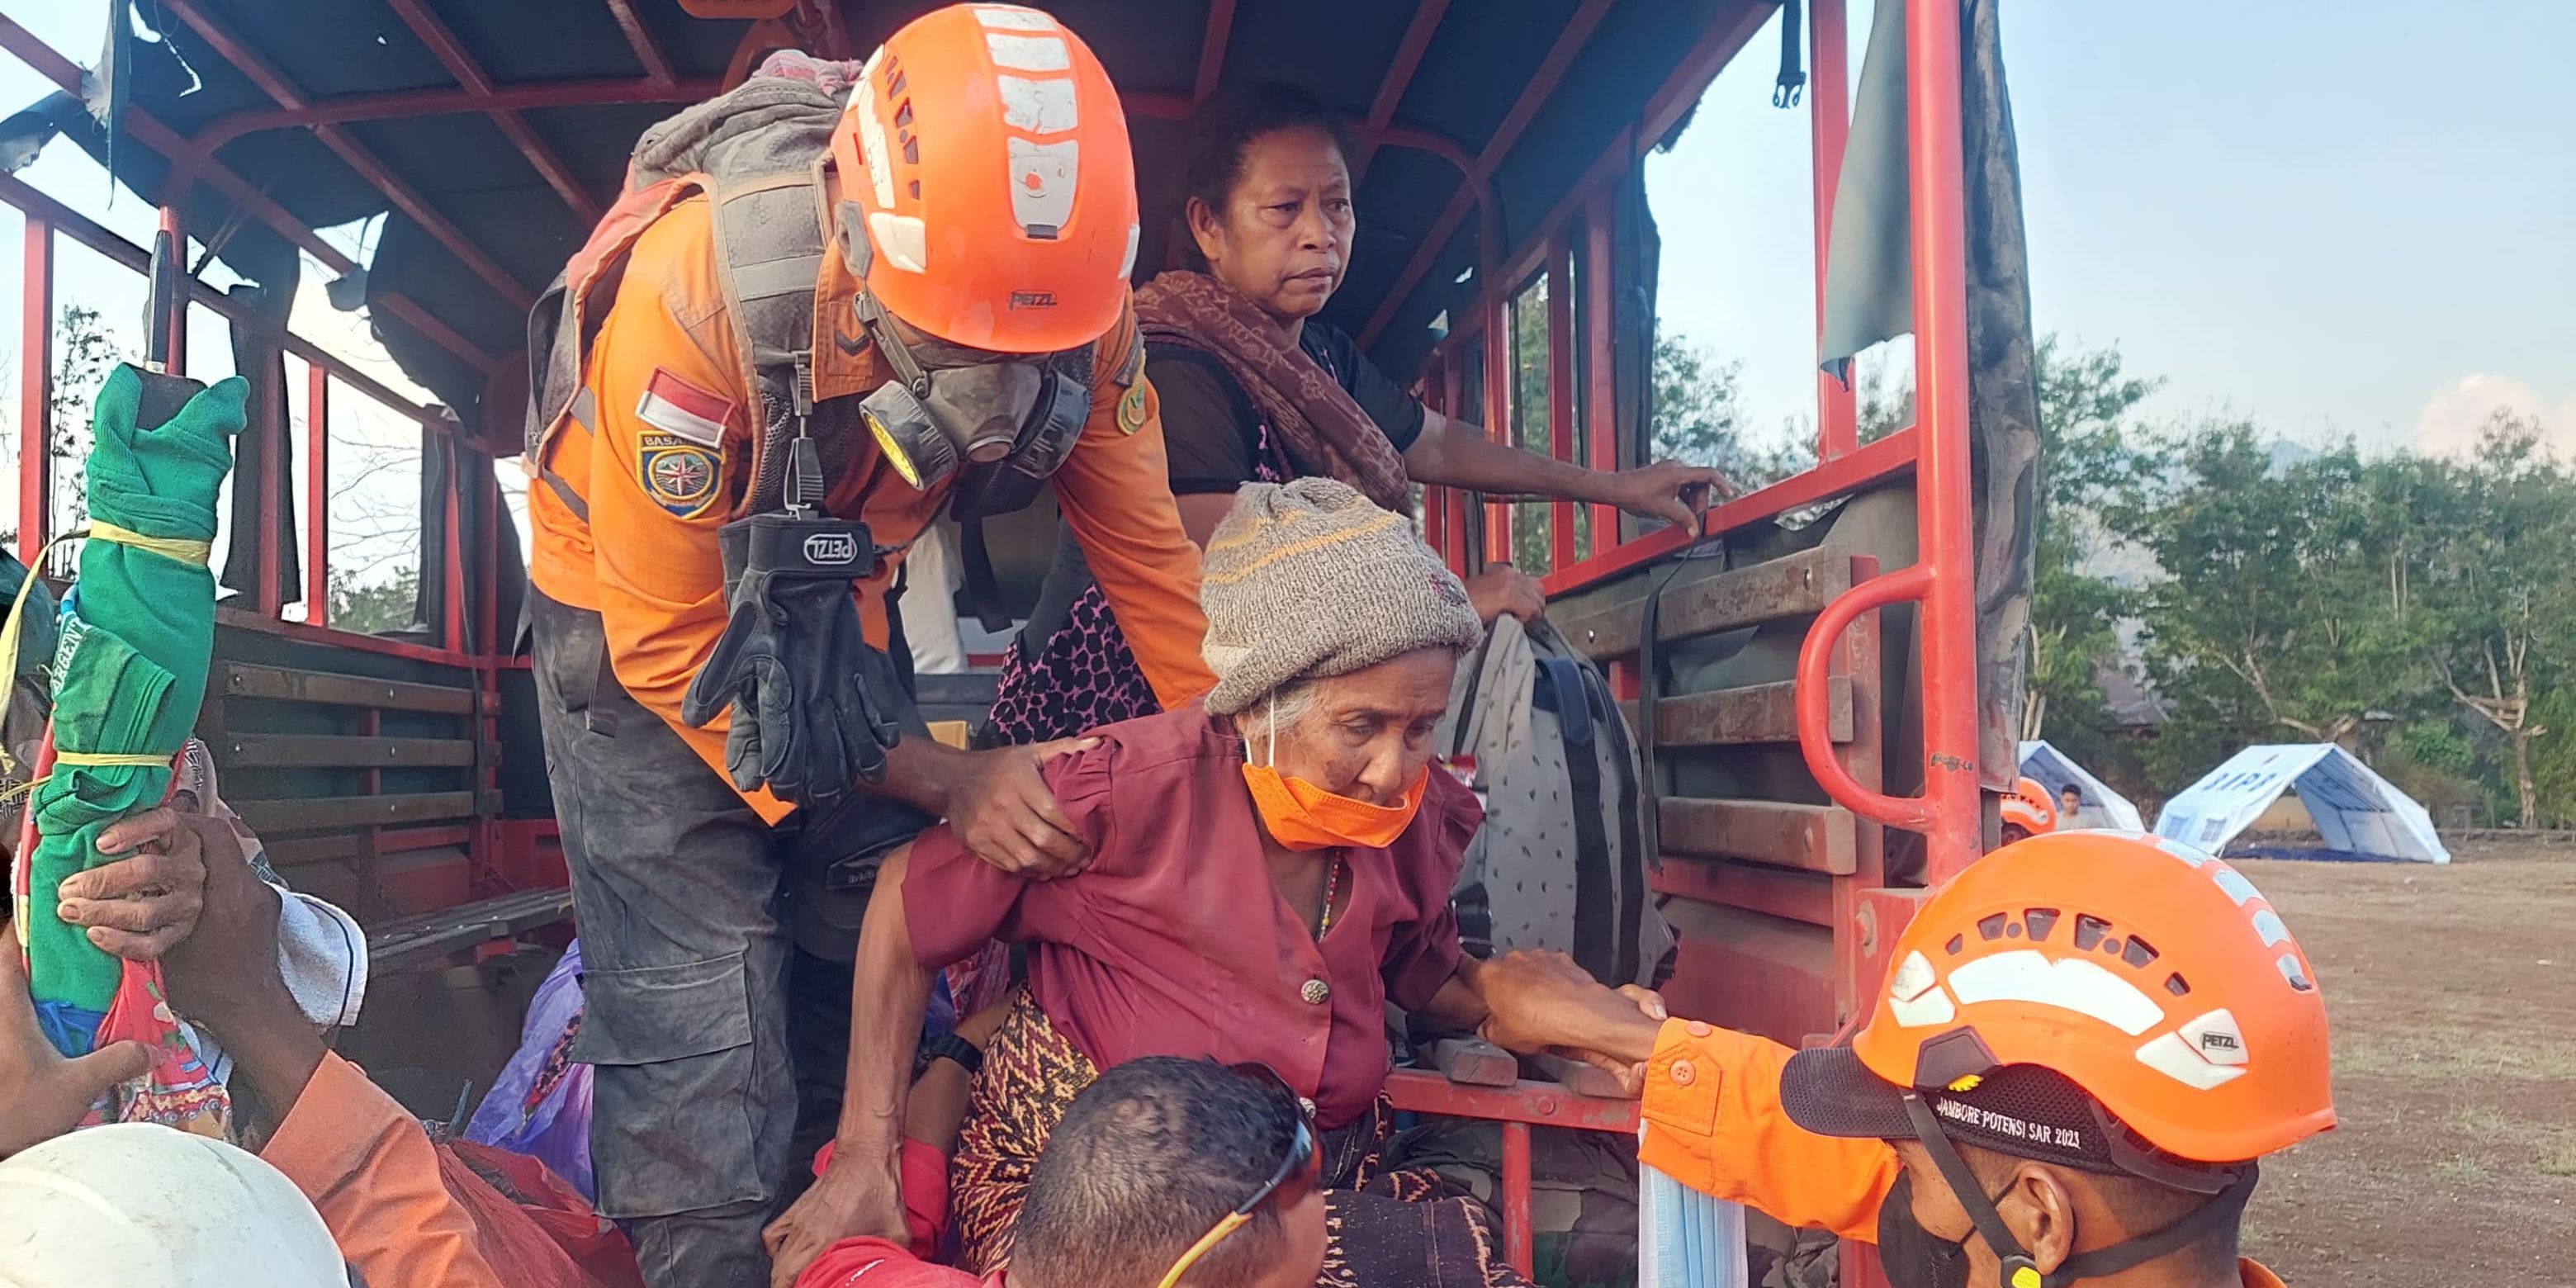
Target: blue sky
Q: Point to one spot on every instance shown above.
(2334, 218)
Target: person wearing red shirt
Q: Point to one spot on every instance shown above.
(1164, 1171)
(1272, 869)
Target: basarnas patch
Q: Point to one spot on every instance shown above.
(1131, 409)
(678, 474)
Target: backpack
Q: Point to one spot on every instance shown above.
(1562, 861)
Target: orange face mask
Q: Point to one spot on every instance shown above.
(1302, 816)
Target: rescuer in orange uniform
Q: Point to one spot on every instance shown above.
(2085, 1043)
(965, 239)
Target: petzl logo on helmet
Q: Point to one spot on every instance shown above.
(1032, 299)
(831, 548)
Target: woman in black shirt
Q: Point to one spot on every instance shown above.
(1253, 388)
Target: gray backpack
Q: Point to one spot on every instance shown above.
(1563, 859)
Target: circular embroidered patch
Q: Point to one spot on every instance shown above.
(679, 476)
(1131, 409)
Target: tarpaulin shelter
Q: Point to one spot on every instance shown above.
(2055, 770)
(2356, 810)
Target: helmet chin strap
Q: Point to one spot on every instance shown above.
(2019, 1270)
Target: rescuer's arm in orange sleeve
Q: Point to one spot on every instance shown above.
(366, 1165)
(1116, 493)
(1712, 1117)
(372, 1173)
(1714, 1122)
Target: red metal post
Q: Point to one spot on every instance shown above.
(1220, 25)
(451, 552)
(1829, 117)
(1600, 390)
(35, 393)
(1936, 185)
(1569, 42)
(1399, 75)
(275, 453)
(639, 38)
(1500, 377)
(317, 494)
(1518, 1245)
(233, 49)
(173, 313)
(1561, 393)
(541, 155)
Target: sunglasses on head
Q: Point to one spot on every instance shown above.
(1295, 1177)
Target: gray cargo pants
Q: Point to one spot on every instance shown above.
(688, 964)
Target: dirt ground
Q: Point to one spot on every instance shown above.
(2453, 998)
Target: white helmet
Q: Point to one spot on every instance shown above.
(138, 1206)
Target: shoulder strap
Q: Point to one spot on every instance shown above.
(1596, 940)
(769, 258)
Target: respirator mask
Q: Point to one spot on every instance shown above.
(998, 425)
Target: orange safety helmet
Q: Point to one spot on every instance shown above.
(2152, 977)
(987, 193)
(2029, 808)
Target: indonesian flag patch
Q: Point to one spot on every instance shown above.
(679, 408)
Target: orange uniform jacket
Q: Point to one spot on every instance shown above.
(646, 560)
(1714, 1122)
(371, 1172)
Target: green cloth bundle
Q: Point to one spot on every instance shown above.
(136, 641)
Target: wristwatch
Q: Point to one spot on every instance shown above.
(955, 1050)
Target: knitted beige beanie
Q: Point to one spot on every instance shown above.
(1307, 580)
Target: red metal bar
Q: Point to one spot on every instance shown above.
(35, 393)
(152, 134)
(1829, 119)
(1399, 75)
(232, 49)
(1560, 390)
(1815, 659)
(309, 634)
(1936, 184)
(1873, 463)
(317, 494)
(437, 102)
(639, 38)
(421, 838)
(172, 313)
(451, 552)
(1220, 25)
(1500, 380)
(1600, 345)
(90, 233)
(275, 455)
(1518, 1239)
(1551, 69)
(460, 64)
(1544, 1104)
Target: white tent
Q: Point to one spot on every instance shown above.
(2055, 770)
(2355, 809)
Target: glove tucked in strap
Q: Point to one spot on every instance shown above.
(815, 708)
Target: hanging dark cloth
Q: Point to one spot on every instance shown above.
(1869, 298)
(263, 456)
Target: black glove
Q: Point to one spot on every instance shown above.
(814, 707)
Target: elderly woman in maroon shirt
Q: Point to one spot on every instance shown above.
(1268, 870)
